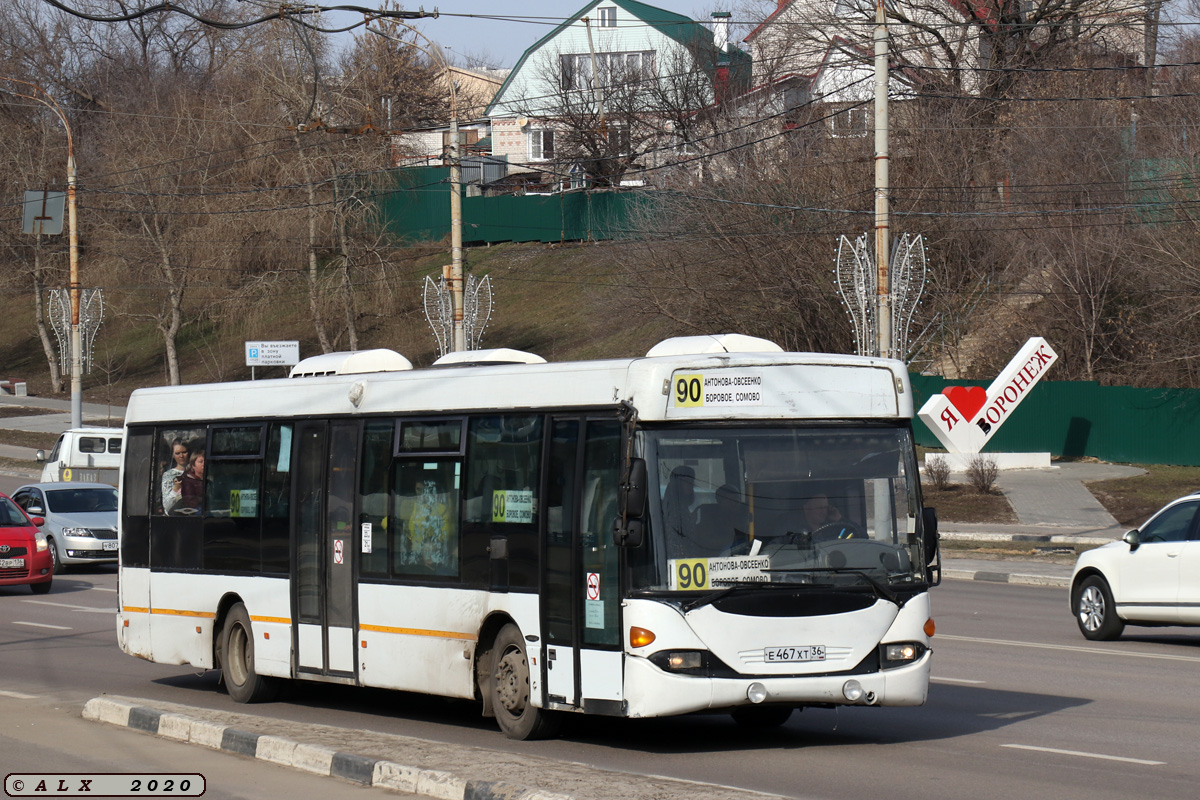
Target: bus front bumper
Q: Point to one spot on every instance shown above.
(651, 692)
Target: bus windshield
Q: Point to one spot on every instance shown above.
(833, 506)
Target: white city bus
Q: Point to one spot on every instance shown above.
(718, 526)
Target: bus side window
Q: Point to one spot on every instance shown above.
(276, 505)
(504, 456)
(425, 533)
(374, 495)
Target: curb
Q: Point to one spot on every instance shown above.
(1036, 538)
(310, 758)
(1006, 577)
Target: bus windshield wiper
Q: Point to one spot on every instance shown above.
(881, 590)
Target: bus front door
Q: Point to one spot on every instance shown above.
(582, 658)
(323, 556)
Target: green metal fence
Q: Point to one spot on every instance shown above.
(1082, 418)
(416, 207)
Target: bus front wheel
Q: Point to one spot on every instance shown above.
(516, 715)
(242, 683)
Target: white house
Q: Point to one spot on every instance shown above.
(595, 57)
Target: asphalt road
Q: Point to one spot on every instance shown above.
(1021, 706)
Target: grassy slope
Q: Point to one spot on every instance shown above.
(558, 301)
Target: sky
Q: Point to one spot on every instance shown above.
(503, 40)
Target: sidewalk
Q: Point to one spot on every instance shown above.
(97, 415)
(428, 768)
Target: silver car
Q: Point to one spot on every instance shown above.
(81, 520)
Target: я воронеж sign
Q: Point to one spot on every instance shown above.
(964, 418)
(272, 354)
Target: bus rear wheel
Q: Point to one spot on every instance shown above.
(242, 683)
(516, 715)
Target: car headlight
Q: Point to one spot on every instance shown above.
(77, 532)
(42, 543)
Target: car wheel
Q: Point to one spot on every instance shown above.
(1096, 612)
(510, 690)
(761, 716)
(242, 683)
(55, 560)
(40, 588)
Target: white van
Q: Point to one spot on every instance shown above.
(84, 454)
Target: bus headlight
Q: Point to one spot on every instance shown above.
(898, 654)
(687, 662)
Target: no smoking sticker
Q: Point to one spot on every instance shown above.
(593, 586)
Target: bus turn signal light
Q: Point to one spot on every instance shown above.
(640, 637)
(929, 627)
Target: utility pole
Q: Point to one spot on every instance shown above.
(456, 260)
(76, 341)
(883, 297)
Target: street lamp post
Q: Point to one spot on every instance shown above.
(76, 342)
(456, 279)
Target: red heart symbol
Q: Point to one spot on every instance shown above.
(967, 399)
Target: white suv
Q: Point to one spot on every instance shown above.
(1147, 578)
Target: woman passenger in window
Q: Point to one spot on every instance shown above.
(173, 476)
(191, 487)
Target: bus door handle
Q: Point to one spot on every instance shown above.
(498, 549)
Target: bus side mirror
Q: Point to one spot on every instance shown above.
(40, 456)
(929, 518)
(632, 502)
(631, 535)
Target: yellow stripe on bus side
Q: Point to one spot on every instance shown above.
(468, 637)
(205, 614)
(181, 612)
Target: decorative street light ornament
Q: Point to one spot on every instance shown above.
(857, 283)
(964, 418)
(439, 311)
(91, 314)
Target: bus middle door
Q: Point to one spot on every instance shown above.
(582, 659)
(323, 571)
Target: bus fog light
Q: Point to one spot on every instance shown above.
(852, 691)
(756, 693)
(685, 660)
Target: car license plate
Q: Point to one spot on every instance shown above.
(12, 562)
(110, 545)
(812, 652)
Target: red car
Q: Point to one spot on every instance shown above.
(24, 552)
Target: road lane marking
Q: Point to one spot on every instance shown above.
(18, 695)
(103, 589)
(1070, 648)
(42, 625)
(953, 680)
(1086, 755)
(92, 609)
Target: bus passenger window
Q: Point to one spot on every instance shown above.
(503, 457)
(374, 495)
(426, 526)
(175, 449)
